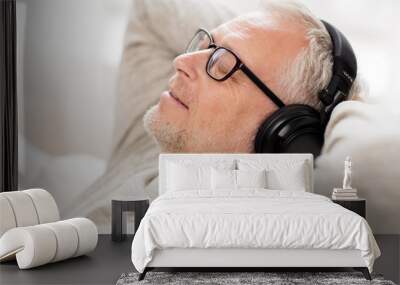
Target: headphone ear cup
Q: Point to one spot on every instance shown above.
(291, 129)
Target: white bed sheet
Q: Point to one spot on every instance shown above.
(250, 218)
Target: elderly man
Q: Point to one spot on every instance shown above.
(216, 99)
(288, 49)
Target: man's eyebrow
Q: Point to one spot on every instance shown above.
(227, 45)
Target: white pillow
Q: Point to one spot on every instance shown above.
(281, 174)
(237, 179)
(292, 178)
(251, 178)
(223, 179)
(187, 177)
(185, 173)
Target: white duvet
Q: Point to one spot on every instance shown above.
(251, 218)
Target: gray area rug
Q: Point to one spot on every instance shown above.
(273, 278)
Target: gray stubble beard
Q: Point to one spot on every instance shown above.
(168, 137)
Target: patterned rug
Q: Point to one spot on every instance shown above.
(243, 278)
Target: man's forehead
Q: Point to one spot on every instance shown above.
(242, 27)
(260, 37)
(230, 30)
(241, 33)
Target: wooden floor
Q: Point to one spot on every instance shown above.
(110, 260)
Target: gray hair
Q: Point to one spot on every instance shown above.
(311, 70)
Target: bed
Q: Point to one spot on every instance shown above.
(245, 211)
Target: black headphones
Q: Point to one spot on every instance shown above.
(299, 128)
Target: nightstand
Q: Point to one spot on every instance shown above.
(121, 205)
(358, 206)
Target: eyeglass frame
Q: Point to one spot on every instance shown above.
(238, 65)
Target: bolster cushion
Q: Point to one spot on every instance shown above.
(26, 208)
(40, 244)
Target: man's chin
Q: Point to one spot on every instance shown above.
(168, 137)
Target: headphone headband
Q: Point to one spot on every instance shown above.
(344, 72)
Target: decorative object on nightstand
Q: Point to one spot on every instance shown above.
(346, 192)
(358, 205)
(126, 204)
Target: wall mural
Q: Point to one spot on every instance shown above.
(103, 88)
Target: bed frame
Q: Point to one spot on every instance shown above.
(235, 259)
(250, 259)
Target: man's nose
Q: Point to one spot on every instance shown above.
(190, 64)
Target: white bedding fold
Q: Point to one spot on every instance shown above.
(251, 218)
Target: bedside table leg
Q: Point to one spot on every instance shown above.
(116, 224)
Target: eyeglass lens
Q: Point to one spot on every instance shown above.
(200, 41)
(221, 63)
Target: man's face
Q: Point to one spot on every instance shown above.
(199, 114)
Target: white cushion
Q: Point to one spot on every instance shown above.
(87, 233)
(281, 174)
(40, 244)
(32, 246)
(251, 178)
(223, 179)
(67, 237)
(23, 208)
(7, 215)
(181, 177)
(291, 178)
(187, 174)
(226, 179)
(27, 208)
(45, 205)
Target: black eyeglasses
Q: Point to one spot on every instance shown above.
(223, 63)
